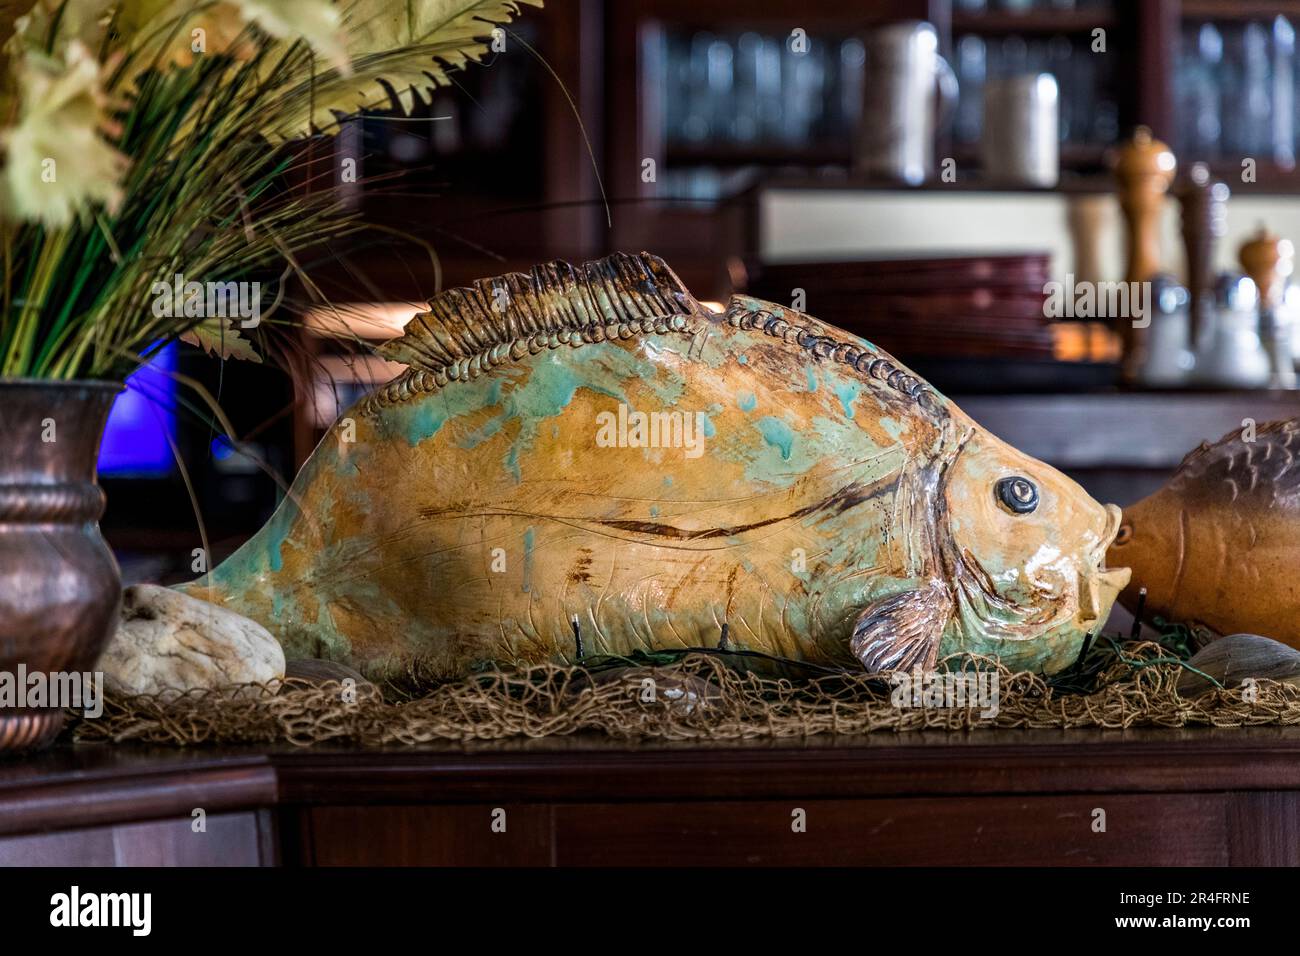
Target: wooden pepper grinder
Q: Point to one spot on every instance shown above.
(1269, 260)
(1204, 203)
(1144, 167)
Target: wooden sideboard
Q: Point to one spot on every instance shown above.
(1169, 797)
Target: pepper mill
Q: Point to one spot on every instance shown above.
(1144, 167)
(1204, 203)
(1269, 260)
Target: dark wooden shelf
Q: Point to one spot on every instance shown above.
(758, 154)
(1236, 10)
(1032, 21)
(969, 183)
(1210, 796)
(829, 160)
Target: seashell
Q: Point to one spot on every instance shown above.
(1237, 657)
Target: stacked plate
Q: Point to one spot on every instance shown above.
(961, 306)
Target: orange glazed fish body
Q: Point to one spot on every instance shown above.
(1219, 544)
(592, 444)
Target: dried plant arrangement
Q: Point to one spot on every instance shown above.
(146, 140)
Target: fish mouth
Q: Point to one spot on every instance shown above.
(1114, 517)
(1098, 593)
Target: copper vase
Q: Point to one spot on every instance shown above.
(59, 583)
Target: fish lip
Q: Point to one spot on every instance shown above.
(1110, 580)
(1114, 518)
(1098, 594)
(1114, 579)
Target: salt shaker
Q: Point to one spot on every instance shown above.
(1231, 355)
(1168, 359)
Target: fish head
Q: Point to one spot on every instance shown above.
(1152, 541)
(1031, 543)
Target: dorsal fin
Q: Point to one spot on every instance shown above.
(553, 298)
(1268, 462)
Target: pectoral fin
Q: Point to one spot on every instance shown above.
(903, 631)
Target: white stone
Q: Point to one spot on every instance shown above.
(166, 640)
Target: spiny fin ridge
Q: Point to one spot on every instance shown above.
(1270, 460)
(498, 315)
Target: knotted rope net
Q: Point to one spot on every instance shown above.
(697, 695)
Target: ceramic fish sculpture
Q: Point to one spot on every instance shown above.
(1219, 544)
(585, 460)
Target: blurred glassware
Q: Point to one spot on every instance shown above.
(853, 59)
(721, 86)
(1085, 77)
(1020, 144)
(1060, 53)
(971, 76)
(1015, 56)
(1282, 109)
(667, 49)
(770, 80)
(909, 94)
(745, 91)
(802, 104)
(1253, 133)
(1038, 54)
(1198, 84)
(1230, 78)
(1105, 127)
(747, 126)
(698, 114)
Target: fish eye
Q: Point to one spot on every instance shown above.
(1018, 494)
(1123, 535)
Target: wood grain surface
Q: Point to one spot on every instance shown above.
(1193, 797)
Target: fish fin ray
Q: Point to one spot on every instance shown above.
(556, 297)
(904, 630)
(1265, 464)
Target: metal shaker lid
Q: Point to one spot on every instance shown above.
(1235, 292)
(1168, 295)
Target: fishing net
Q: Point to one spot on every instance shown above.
(700, 694)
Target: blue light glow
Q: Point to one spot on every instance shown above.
(144, 416)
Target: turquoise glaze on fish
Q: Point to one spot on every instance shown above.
(604, 449)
